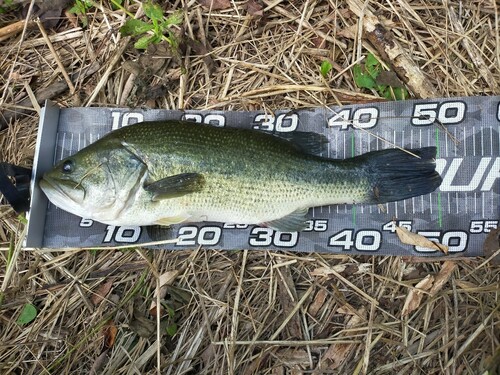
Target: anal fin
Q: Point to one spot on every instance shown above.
(294, 222)
(171, 220)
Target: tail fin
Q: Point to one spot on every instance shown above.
(399, 175)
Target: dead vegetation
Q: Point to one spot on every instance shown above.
(242, 312)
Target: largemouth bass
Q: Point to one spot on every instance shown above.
(175, 171)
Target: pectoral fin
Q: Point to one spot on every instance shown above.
(296, 221)
(176, 186)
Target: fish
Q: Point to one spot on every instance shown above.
(171, 172)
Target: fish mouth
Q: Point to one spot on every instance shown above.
(60, 192)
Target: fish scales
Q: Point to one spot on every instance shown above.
(255, 172)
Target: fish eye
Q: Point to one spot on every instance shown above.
(68, 166)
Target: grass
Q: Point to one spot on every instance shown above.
(242, 312)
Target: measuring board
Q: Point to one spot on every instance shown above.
(459, 214)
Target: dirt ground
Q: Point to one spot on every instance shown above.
(240, 312)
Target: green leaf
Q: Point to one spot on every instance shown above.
(373, 66)
(397, 93)
(156, 39)
(28, 314)
(143, 42)
(326, 67)
(172, 40)
(77, 9)
(170, 311)
(172, 329)
(135, 27)
(81, 7)
(175, 18)
(117, 4)
(371, 60)
(153, 11)
(400, 93)
(385, 92)
(6, 6)
(22, 219)
(361, 78)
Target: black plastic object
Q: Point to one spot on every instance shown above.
(16, 189)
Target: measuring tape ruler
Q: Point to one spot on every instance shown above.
(459, 214)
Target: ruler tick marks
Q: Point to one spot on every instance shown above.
(491, 140)
(482, 141)
(328, 148)
(353, 142)
(57, 142)
(440, 210)
(446, 142)
(455, 137)
(465, 143)
(473, 141)
(344, 147)
(336, 143)
(438, 152)
(496, 205)
(482, 204)
(71, 144)
(62, 146)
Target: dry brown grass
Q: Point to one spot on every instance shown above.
(243, 312)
